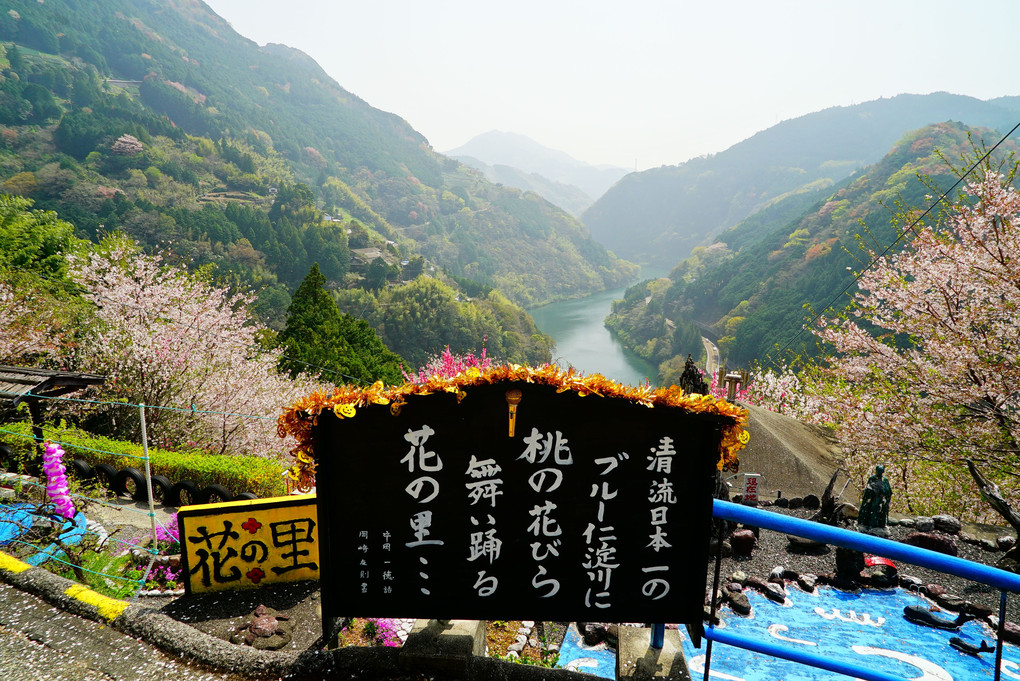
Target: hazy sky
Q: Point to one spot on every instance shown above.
(640, 83)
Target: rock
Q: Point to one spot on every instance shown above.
(988, 544)
(979, 611)
(932, 542)
(1005, 542)
(882, 532)
(882, 576)
(907, 522)
(910, 581)
(947, 524)
(796, 502)
(812, 502)
(714, 548)
(593, 633)
(804, 545)
(708, 616)
(515, 647)
(776, 575)
(743, 542)
(734, 587)
(934, 590)
(849, 563)
(774, 592)
(739, 576)
(739, 603)
(924, 524)
(528, 624)
(764, 503)
(968, 538)
(756, 583)
(807, 582)
(892, 522)
(737, 499)
(1011, 632)
(848, 511)
(783, 502)
(951, 602)
(533, 642)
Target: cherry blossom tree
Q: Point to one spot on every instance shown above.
(170, 340)
(926, 366)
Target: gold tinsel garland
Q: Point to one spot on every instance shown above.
(299, 419)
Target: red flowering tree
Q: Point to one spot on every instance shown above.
(926, 368)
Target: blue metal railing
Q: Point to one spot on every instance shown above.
(725, 510)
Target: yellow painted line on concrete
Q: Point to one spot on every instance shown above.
(108, 608)
(12, 564)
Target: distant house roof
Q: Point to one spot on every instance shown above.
(22, 383)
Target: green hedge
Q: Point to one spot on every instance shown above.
(263, 477)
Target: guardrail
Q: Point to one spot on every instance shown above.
(725, 510)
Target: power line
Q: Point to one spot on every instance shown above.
(910, 228)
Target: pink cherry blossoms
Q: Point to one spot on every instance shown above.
(926, 368)
(56, 480)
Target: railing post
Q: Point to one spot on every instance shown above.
(148, 476)
(1000, 630)
(658, 636)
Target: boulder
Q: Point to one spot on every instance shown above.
(933, 542)
(906, 522)
(715, 548)
(812, 502)
(774, 592)
(796, 502)
(783, 502)
(979, 611)
(777, 575)
(951, 602)
(807, 582)
(947, 524)
(804, 545)
(924, 524)
(743, 542)
(739, 576)
(882, 576)
(739, 602)
(910, 582)
(1005, 542)
(849, 563)
(934, 590)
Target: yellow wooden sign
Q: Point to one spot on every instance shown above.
(249, 544)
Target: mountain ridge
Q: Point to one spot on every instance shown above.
(659, 215)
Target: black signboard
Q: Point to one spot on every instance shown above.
(593, 508)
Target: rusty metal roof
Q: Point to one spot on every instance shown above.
(22, 383)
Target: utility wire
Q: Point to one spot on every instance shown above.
(910, 228)
(186, 410)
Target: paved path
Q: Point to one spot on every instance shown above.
(39, 642)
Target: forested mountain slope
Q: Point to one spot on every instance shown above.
(755, 286)
(219, 120)
(658, 216)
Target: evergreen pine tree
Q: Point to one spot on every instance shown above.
(320, 340)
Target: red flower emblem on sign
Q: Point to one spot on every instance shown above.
(256, 575)
(251, 525)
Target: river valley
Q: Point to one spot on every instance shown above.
(583, 341)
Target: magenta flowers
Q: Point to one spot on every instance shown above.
(56, 480)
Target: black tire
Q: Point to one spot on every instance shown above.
(161, 486)
(80, 470)
(8, 461)
(131, 481)
(183, 493)
(215, 494)
(104, 474)
(244, 496)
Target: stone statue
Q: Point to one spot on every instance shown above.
(874, 511)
